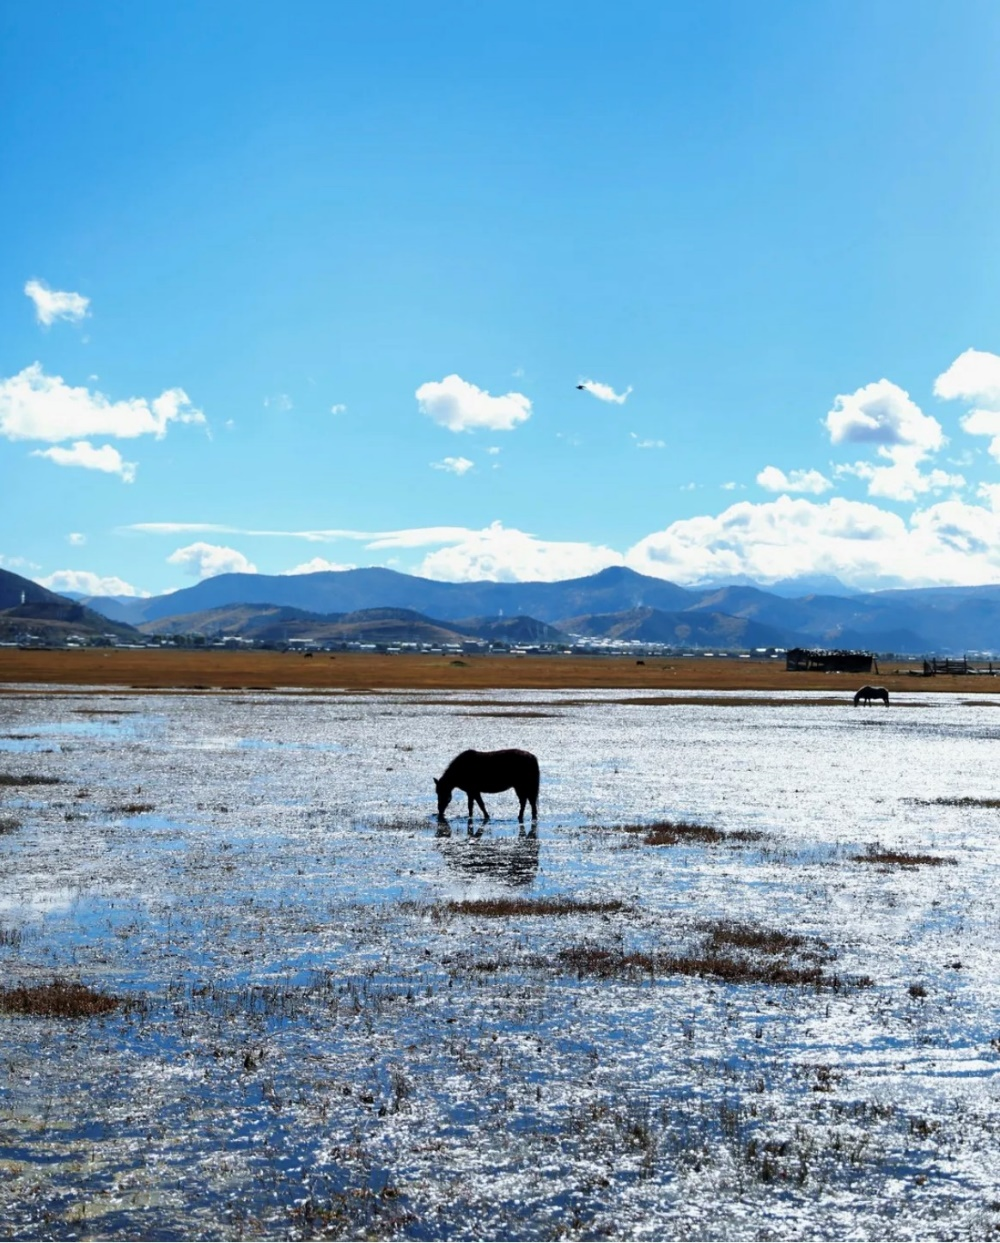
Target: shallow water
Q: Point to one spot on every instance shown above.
(319, 1049)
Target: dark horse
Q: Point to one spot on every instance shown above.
(868, 693)
(479, 772)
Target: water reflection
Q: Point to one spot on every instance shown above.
(478, 855)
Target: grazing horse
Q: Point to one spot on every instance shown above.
(868, 693)
(479, 772)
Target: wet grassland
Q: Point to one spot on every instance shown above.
(739, 983)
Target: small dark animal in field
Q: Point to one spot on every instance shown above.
(868, 693)
(488, 772)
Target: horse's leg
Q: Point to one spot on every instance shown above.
(479, 800)
(520, 814)
(472, 803)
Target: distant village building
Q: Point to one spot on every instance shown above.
(823, 661)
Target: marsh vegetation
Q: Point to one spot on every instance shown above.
(252, 988)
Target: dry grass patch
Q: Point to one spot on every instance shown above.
(59, 998)
(27, 779)
(503, 908)
(680, 832)
(956, 802)
(900, 858)
(8, 824)
(731, 969)
(732, 952)
(130, 809)
(755, 939)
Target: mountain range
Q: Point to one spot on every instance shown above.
(384, 606)
(941, 620)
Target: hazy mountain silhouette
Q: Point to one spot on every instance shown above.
(945, 620)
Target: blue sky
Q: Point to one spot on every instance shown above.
(314, 285)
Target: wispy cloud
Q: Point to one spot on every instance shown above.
(316, 566)
(604, 392)
(53, 304)
(105, 458)
(456, 465)
(641, 443)
(774, 479)
(76, 538)
(278, 401)
(456, 404)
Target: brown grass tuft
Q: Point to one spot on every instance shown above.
(58, 999)
(130, 809)
(27, 779)
(681, 832)
(613, 964)
(750, 937)
(732, 952)
(8, 824)
(900, 858)
(502, 908)
(965, 801)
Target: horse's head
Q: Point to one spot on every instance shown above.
(443, 793)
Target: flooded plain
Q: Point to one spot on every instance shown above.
(740, 983)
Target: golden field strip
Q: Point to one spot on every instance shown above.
(194, 670)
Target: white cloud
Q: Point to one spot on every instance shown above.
(775, 480)
(493, 450)
(18, 563)
(34, 406)
(53, 304)
(456, 465)
(903, 479)
(339, 408)
(462, 407)
(984, 423)
(82, 453)
(316, 565)
(278, 401)
(648, 444)
(859, 543)
(974, 376)
(990, 492)
(882, 414)
(89, 584)
(77, 539)
(501, 555)
(604, 392)
(206, 560)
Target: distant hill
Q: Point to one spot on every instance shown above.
(691, 628)
(512, 630)
(27, 607)
(273, 624)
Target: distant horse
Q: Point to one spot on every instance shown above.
(868, 693)
(479, 772)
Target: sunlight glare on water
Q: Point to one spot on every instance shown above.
(317, 1045)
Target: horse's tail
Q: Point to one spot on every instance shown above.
(535, 776)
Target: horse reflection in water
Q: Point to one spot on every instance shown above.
(505, 860)
(488, 772)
